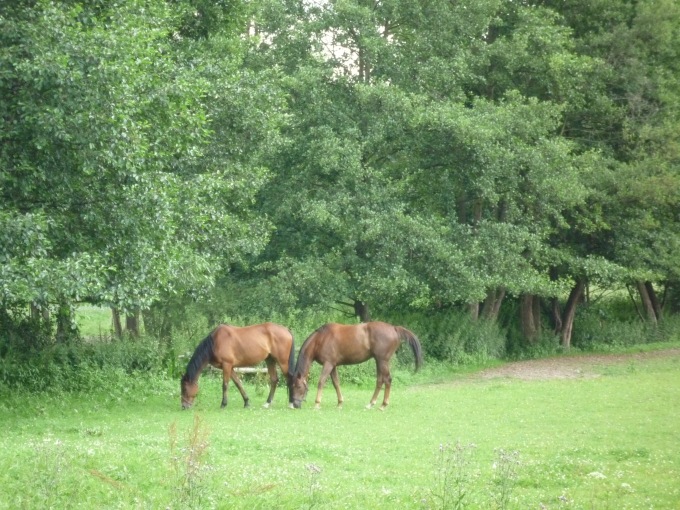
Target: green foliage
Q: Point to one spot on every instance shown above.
(406, 156)
(106, 178)
(82, 367)
(21, 333)
(598, 327)
(453, 337)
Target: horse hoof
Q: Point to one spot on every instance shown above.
(369, 406)
(291, 406)
(382, 408)
(317, 406)
(266, 405)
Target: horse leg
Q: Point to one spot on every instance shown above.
(379, 381)
(387, 379)
(273, 381)
(242, 391)
(226, 375)
(325, 372)
(336, 383)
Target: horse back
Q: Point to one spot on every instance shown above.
(249, 345)
(342, 344)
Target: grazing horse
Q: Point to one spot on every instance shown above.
(339, 344)
(228, 347)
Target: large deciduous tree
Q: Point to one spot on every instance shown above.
(106, 172)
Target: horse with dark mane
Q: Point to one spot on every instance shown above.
(339, 344)
(228, 347)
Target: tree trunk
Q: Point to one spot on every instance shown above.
(647, 305)
(361, 311)
(492, 303)
(530, 317)
(556, 315)
(672, 297)
(567, 320)
(65, 324)
(474, 310)
(132, 324)
(40, 312)
(117, 326)
(656, 304)
(536, 309)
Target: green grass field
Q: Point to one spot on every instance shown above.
(610, 442)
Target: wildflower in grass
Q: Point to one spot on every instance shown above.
(312, 484)
(505, 474)
(313, 468)
(454, 475)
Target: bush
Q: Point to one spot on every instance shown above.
(82, 367)
(598, 327)
(21, 333)
(454, 337)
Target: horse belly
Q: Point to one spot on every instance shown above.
(242, 354)
(251, 356)
(357, 354)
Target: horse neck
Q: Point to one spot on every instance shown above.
(305, 358)
(199, 359)
(193, 378)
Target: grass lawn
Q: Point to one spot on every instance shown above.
(95, 321)
(607, 442)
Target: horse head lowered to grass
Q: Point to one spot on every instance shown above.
(228, 347)
(339, 344)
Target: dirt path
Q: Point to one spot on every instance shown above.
(568, 367)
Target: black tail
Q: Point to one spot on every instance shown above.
(291, 367)
(407, 336)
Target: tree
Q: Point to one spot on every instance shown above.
(637, 45)
(105, 164)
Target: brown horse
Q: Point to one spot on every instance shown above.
(339, 344)
(228, 347)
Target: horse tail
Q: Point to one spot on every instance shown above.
(291, 367)
(407, 336)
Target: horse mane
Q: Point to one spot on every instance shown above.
(302, 360)
(199, 358)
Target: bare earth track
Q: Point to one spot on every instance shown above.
(570, 367)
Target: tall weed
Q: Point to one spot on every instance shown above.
(454, 476)
(189, 465)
